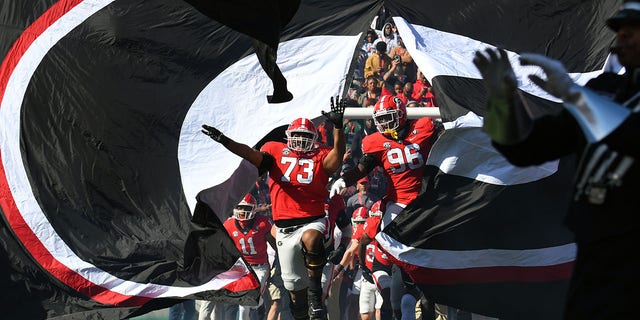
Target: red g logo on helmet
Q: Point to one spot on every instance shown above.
(360, 215)
(301, 135)
(246, 208)
(389, 113)
(376, 209)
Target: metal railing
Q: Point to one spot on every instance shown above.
(412, 113)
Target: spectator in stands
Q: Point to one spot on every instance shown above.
(361, 199)
(372, 91)
(394, 74)
(405, 93)
(430, 100)
(369, 43)
(408, 66)
(422, 91)
(389, 35)
(369, 126)
(377, 64)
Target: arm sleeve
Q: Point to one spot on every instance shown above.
(266, 164)
(552, 137)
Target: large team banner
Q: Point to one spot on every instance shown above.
(102, 158)
(111, 200)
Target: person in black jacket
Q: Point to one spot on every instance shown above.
(600, 123)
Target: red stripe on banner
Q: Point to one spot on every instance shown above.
(13, 215)
(29, 35)
(49, 263)
(246, 283)
(430, 276)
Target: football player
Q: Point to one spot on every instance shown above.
(250, 234)
(401, 147)
(370, 299)
(299, 171)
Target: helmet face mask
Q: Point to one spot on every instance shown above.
(389, 113)
(386, 120)
(301, 135)
(246, 209)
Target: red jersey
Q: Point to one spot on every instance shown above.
(358, 230)
(371, 228)
(332, 209)
(335, 205)
(298, 182)
(251, 243)
(403, 161)
(369, 251)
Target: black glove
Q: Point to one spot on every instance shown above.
(336, 255)
(215, 134)
(337, 112)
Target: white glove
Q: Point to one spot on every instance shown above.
(336, 187)
(558, 82)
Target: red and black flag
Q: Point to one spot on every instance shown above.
(485, 236)
(102, 158)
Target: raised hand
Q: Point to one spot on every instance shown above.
(337, 112)
(558, 82)
(500, 118)
(215, 134)
(496, 70)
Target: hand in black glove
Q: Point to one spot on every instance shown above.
(336, 255)
(337, 112)
(215, 134)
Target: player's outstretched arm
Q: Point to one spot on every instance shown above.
(242, 150)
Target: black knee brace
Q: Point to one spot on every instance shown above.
(299, 311)
(314, 260)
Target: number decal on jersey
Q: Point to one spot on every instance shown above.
(249, 242)
(305, 175)
(370, 252)
(400, 159)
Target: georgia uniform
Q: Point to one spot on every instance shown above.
(298, 181)
(250, 242)
(403, 160)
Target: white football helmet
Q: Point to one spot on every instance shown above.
(246, 209)
(301, 135)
